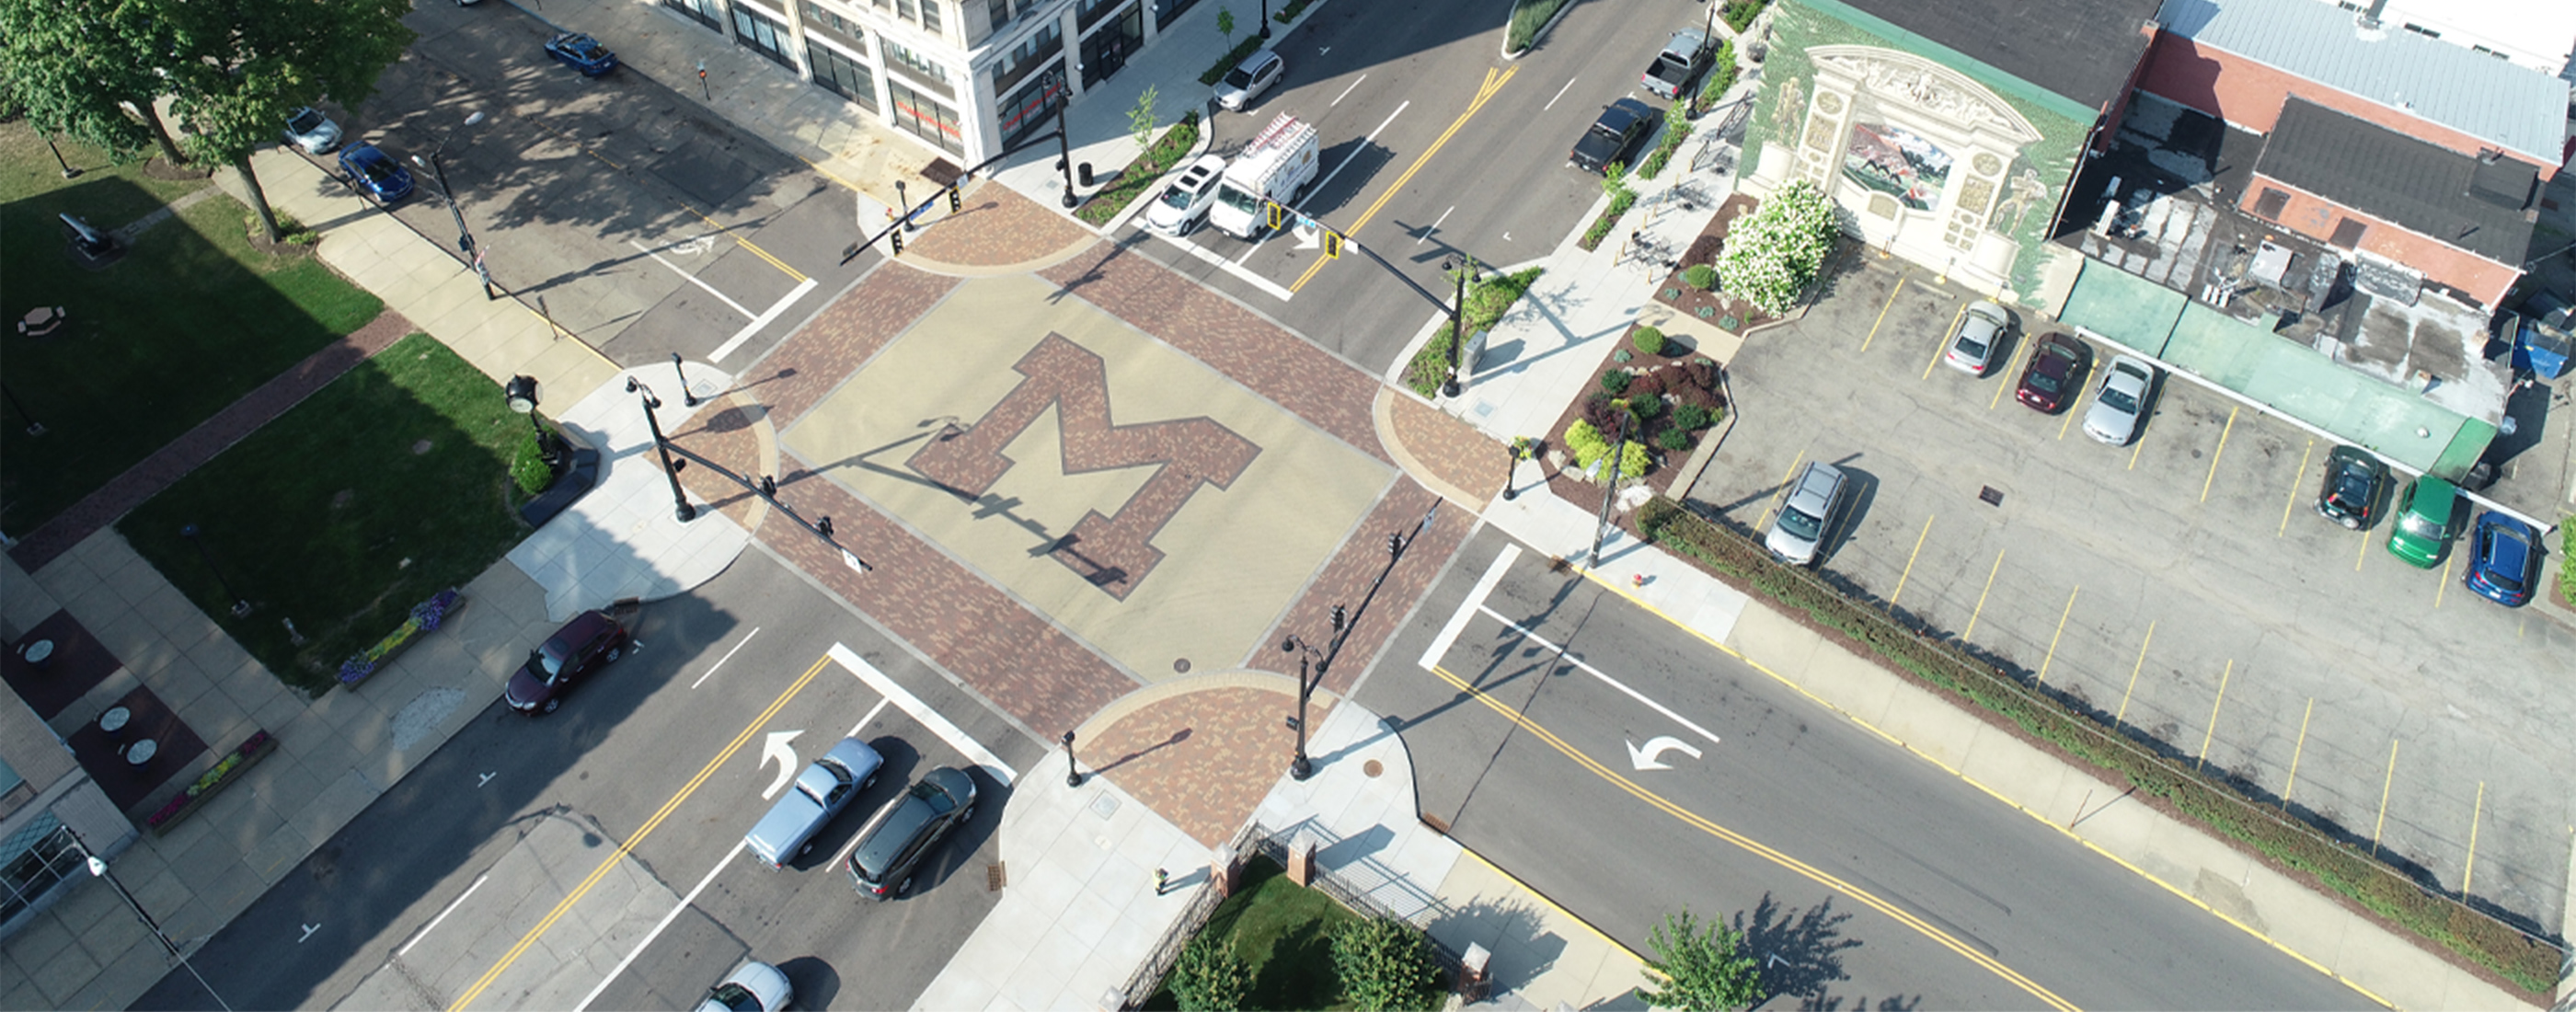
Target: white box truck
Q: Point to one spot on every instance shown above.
(1277, 166)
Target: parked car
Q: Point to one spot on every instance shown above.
(752, 987)
(2504, 559)
(2121, 404)
(1185, 202)
(1815, 501)
(1249, 79)
(2355, 484)
(375, 173)
(2056, 367)
(907, 829)
(1621, 123)
(1685, 55)
(2425, 512)
(307, 128)
(582, 53)
(828, 785)
(1980, 331)
(592, 640)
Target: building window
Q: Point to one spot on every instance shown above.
(764, 36)
(930, 18)
(33, 860)
(998, 12)
(2269, 205)
(1022, 114)
(2347, 233)
(706, 12)
(844, 75)
(908, 9)
(1089, 12)
(926, 119)
(931, 75)
(2423, 31)
(1168, 11)
(819, 21)
(1041, 46)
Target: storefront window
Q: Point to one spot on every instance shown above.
(1167, 11)
(926, 119)
(33, 860)
(845, 75)
(706, 12)
(767, 37)
(932, 76)
(1034, 107)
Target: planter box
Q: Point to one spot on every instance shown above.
(425, 618)
(225, 771)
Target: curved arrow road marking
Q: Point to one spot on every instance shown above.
(1650, 757)
(776, 748)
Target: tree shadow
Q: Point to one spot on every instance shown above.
(1291, 979)
(1799, 953)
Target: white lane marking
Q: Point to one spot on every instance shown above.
(778, 749)
(720, 661)
(1560, 93)
(1435, 226)
(1207, 256)
(442, 915)
(1467, 609)
(1364, 143)
(761, 320)
(649, 936)
(923, 714)
(1346, 92)
(872, 715)
(692, 278)
(1597, 673)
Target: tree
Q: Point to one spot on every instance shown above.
(1385, 964)
(1140, 120)
(243, 66)
(1700, 971)
(1209, 977)
(1772, 254)
(1225, 26)
(87, 69)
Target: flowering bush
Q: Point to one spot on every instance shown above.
(425, 617)
(213, 778)
(1770, 258)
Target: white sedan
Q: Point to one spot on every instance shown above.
(2122, 403)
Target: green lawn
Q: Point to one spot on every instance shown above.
(1283, 932)
(380, 489)
(189, 321)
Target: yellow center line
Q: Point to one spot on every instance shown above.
(1882, 312)
(2217, 453)
(1493, 83)
(1943, 346)
(1909, 562)
(2141, 665)
(2295, 479)
(2296, 752)
(2061, 631)
(2212, 732)
(1780, 496)
(1981, 595)
(624, 848)
(1757, 848)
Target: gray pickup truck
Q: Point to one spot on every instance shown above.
(1681, 62)
(819, 793)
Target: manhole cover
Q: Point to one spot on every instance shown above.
(1991, 496)
(1373, 767)
(1181, 665)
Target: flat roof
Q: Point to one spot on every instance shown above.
(2424, 187)
(2084, 50)
(2513, 107)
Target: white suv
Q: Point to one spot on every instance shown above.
(1184, 203)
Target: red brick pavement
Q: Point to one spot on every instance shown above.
(998, 228)
(1452, 450)
(1255, 352)
(1204, 759)
(212, 436)
(814, 362)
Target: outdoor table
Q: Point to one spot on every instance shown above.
(37, 653)
(114, 720)
(141, 752)
(41, 321)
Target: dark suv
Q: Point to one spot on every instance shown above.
(1621, 123)
(907, 829)
(592, 640)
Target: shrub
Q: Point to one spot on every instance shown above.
(1690, 416)
(1488, 299)
(1634, 461)
(1700, 276)
(1649, 341)
(1646, 384)
(1585, 442)
(1209, 977)
(1700, 969)
(1646, 406)
(528, 467)
(1674, 439)
(2567, 560)
(1528, 16)
(1140, 175)
(1616, 381)
(1770, 258)
(1603, 413)
(1232, 56)
(1385, 964)
(1721, 76)
(1739, 13)
(1677, 129)
(1290, 12)
(1601, 226)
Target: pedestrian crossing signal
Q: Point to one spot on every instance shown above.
(956, 199)
(1332, 245)
(896, 236)
(1278, 213)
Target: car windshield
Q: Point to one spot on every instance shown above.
(1179, 197)
(377, 169)
(549, 660)
(930, 792)
(1238, 78)
(735, 997)
(1802, 524)
(305, 122)
(2119, 400)
(2419, 525)
(1970, 346)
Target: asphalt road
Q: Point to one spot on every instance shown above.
(1415, 167)
(1948, 898)
(621, 208)
(625, 745)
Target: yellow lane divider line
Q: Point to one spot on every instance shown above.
(624, 848)
(1493, 83)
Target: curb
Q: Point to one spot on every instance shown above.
(1541, 34)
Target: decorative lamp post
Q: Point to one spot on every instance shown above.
(1064, 142)
(687, 396)
(241, 605)
(98, 869)
(521, 393)
(670, 468)
(1457, 322)
(1072, 775)
(1265, 25)
(68, 171)
(464, 236)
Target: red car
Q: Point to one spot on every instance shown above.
(590, 641)
(2056, 371)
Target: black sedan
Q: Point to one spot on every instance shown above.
(591, 641)
(2356, 484)
(1609, 137)
(582, 53)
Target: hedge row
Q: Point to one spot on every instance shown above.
(2527, 962)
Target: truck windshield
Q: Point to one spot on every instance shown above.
(1238, 200)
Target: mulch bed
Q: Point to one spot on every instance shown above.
(1718, 308)
(1669, 370)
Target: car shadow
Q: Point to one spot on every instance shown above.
(1861, 494)
(901, 759)
(814, 982)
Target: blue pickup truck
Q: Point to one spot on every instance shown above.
(826, 787)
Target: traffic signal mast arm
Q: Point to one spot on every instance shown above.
(1349, 243)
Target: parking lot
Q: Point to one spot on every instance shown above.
(2183, 585)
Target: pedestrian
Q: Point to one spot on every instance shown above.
(1161, 879)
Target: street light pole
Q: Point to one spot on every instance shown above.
(1064, 145)
(679, 499)
(464, 236)
(68, 171)
(687, 396)
(1072, 774)
(241, 605)
(98, 869)
(1265, 21)
(34, 427)
(1457, 322)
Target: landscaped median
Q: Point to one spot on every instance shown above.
(1140, 175)
(2479, 941)
(1488, 299)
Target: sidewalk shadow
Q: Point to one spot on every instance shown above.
(1177, 737)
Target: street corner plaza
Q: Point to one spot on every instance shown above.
(1146, 502)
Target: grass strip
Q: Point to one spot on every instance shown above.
(1139, 175)
(1487, 300)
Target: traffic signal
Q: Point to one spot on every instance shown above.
(1278, 213)
(896, 236)
(956, 198)
(1332, 245)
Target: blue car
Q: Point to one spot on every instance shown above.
(2504, 559)
(375, 172)
(582, 53)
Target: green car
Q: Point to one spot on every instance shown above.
(2425, 512)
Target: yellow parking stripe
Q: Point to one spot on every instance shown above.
(1783, 495)
(1981, 595)
(2217, 453)
(2044, 662)
(2141, 665)
(1493, 83)
(1757, 848)
(1943, 346)
(1882, 312)
(1909, 562)
(2295, 481)
(2212, 732)
(2012, 370)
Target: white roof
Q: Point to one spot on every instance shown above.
(2510, 106)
